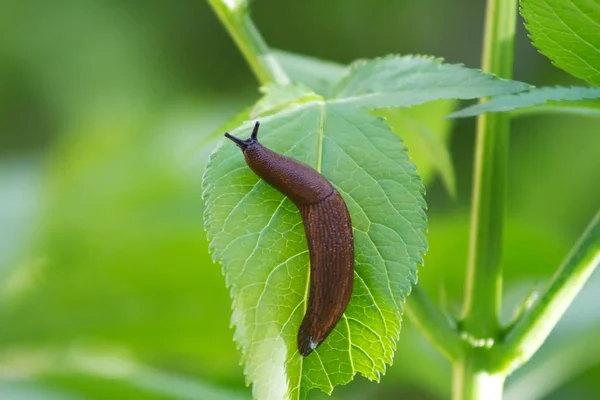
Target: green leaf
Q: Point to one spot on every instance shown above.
(423, 128)
(425, 131)
(405, 81)
(258, 236)
(552, 97)
(319, 75)
(568, 33)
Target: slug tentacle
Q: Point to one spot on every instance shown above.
(239, 142)
(328, 231)
(254, 134)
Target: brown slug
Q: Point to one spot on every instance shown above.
(328, 233)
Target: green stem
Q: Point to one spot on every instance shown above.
(484, 276)
(471, 381)
(234, 16)
(436, 326)
(530, 332)
(475, 377)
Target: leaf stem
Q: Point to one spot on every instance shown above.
(484, 276)
(530, 332)
(235, 17)
(436, 326)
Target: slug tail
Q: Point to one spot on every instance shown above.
(331, 247)
(306, 344)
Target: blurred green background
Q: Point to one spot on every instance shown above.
(107, 289)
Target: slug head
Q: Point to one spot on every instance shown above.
(244, 144)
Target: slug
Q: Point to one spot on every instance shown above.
(328, 233)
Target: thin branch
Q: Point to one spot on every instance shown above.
(234, 16)
(530, 332)
(437, 327)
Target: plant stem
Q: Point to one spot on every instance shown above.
(475, 378)
(436, 326)
(484, 276)
(234, 16)
(472, 382)
(530, 332)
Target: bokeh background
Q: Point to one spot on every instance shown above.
(107, 289)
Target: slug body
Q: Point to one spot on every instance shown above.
(328, 233)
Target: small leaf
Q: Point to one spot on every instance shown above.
(552, 96)
(319, 75)
(258, 236)
(405, 81)
(568, 33)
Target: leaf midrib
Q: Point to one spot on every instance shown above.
(319, 168)
(321, 139)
